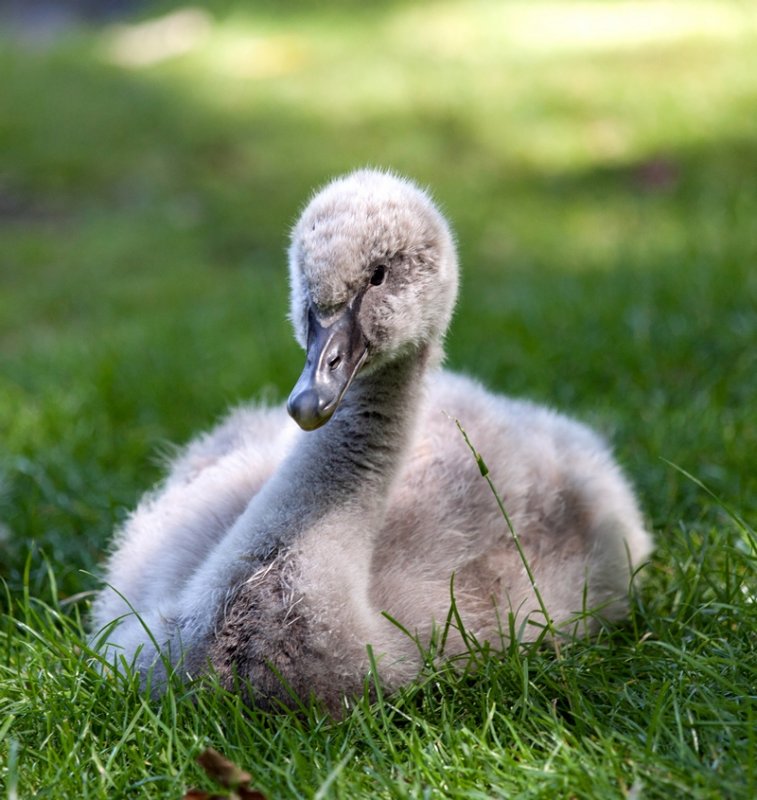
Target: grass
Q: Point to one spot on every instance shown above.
(600, 189)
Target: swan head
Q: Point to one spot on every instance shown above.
(373, 278)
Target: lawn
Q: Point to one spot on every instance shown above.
(597, 161)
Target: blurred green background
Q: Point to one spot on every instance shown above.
(597, 161)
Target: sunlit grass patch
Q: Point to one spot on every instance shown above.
(659, 703)
(503, 65)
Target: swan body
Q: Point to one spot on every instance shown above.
(277, 549)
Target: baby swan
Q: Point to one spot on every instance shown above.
(271, 552)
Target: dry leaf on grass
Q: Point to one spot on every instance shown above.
(198, 794)
(225, 772)
(228, 774)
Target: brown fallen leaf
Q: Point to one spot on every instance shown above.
(225, 772)
(228, 774)
(198, 794)
(242, 793)
(250, 794)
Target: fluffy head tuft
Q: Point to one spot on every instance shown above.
(376, 236)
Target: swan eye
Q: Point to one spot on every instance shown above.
(378, 275)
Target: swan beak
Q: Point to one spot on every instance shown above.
(335, 353)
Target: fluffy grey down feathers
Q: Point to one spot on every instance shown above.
(271, 552)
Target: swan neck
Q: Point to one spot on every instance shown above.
(366, 439)
(339, 476)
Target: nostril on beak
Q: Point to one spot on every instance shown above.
(334, 361)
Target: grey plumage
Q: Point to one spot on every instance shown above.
(273, 551)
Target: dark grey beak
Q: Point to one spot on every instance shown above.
(334, 356)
